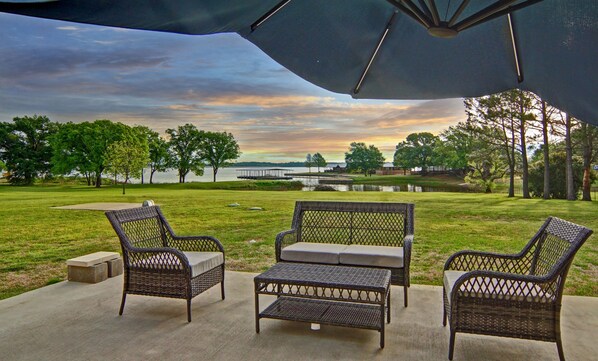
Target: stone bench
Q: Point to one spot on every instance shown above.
(94, 267)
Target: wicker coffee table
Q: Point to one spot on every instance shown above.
(333, 295)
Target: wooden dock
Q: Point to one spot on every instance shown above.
(264, 174)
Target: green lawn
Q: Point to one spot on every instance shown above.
(36, 240)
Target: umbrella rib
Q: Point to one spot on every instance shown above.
(373, 56)
(269, 14)
(510, 9)
(424, 6)
(482, 14)
(455, 16)
(434, 10)
(515, 49)
(412, 10)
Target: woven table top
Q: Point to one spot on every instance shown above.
(353, 278)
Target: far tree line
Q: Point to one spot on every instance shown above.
(33, 147)
(494, 142)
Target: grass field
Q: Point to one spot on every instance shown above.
(36, 240)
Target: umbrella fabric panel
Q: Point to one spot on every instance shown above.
(559, 53)
(330, 43)
(195, 17)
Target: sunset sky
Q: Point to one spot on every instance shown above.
(75, 72)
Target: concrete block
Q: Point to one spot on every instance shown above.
(115, 267)
(92, 274)
(92, 259)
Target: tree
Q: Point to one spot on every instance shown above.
(586, 139)
(363, 159)
(219, 149)
(416, 151)
(454, 147)
(309, 162)
(488, 113)
(159, 155)
(127, 157)
(318, 160)
(558, 180)
(25, 148)
(569, 124)
(185, 145)
(83, 147)
(486, 161)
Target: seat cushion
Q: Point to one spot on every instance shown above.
(513, 290)
(201, 262)
(327, 253)
(374, 256)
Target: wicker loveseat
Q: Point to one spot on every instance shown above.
(513, 295)
(378, 235)
(159, 263)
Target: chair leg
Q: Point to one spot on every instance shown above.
(405, 289)
(451, 345)
(444, 316)
(122, 304)
(222, 283)
(559, 346)
(188, 310)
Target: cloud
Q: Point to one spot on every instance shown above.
(69, 28)
(218, 83)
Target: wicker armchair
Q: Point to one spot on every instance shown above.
(159, 263)
(513, 295)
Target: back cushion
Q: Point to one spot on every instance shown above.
(365, 228)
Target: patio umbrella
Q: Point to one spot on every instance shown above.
(388, 49)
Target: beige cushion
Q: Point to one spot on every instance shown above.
(505, 289)
(375, 256)
(201, 262)
(308, 252)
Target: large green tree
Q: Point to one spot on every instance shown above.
(363, 159)
(159, 154)
(25, 148)
(83, 147)
(416, 151)
(218, 150)
(486, 161)
(186, 149)
(319, 161)
(558, 170)
(128, 157)
(586, 139)
(454, 147)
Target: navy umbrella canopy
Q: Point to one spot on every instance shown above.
(388, 49)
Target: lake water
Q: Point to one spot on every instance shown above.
(230, 174)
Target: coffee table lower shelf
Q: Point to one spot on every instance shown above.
(334, 313)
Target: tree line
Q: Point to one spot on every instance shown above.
(33, 147)
(494, 142)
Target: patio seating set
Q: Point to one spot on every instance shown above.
(337, 263)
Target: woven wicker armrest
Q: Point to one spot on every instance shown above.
(284, 239)
(473, 261)
(505, 286)
(158, 259)
(196, 244)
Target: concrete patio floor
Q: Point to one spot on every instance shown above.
(75, 321)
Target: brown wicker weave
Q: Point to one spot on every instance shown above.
(514, 295)
(374, 224)
(145, 233)
(334, 295)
